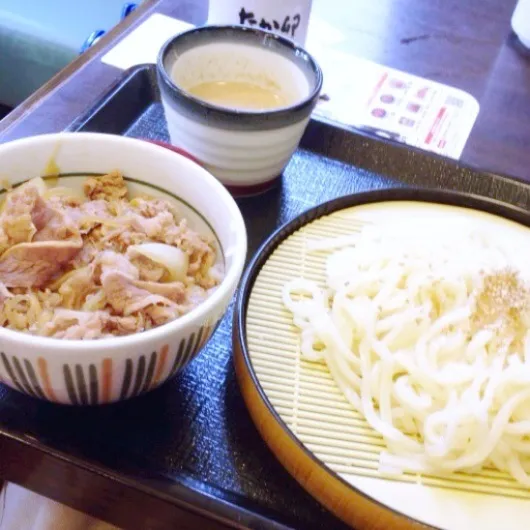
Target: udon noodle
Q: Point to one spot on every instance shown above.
(428, 338)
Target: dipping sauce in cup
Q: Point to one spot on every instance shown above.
(243, 95)
(238, 99)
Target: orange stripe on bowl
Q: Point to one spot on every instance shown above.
(161, 363)
(106, 380)
(42, 366)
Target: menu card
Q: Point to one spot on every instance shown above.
(395, 105)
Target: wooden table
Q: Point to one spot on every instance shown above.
(465, 44)
(468, 45)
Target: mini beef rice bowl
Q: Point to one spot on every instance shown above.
(98, 263)
(146, 264)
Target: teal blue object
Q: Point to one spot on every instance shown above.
(39, 37)
(92, 39)
(128, 8)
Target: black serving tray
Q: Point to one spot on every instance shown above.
(191, 442)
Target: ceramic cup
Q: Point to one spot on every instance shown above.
(521, 21)
(245, 149)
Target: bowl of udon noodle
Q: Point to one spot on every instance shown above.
(392, 379)
(118, 258)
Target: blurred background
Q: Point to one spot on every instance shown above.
(39, 37)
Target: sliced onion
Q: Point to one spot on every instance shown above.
(63, 191)
(174, 260)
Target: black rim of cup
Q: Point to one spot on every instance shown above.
(302, 107)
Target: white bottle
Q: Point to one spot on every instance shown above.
(289, 18)
(521, 21)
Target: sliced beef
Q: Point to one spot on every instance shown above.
(34, 264)
(69, 324)
(110, 261)
(157, 228)
(52, 223)
(16, 220)
(174, 291)
(149, 270)
(64, 267)
(125, 298)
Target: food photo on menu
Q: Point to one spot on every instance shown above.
(264, 264)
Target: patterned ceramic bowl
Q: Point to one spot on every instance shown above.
(245, 149)
(105, 370)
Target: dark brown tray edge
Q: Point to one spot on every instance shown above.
(446, 162)
(99, 105)
(193, 506)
